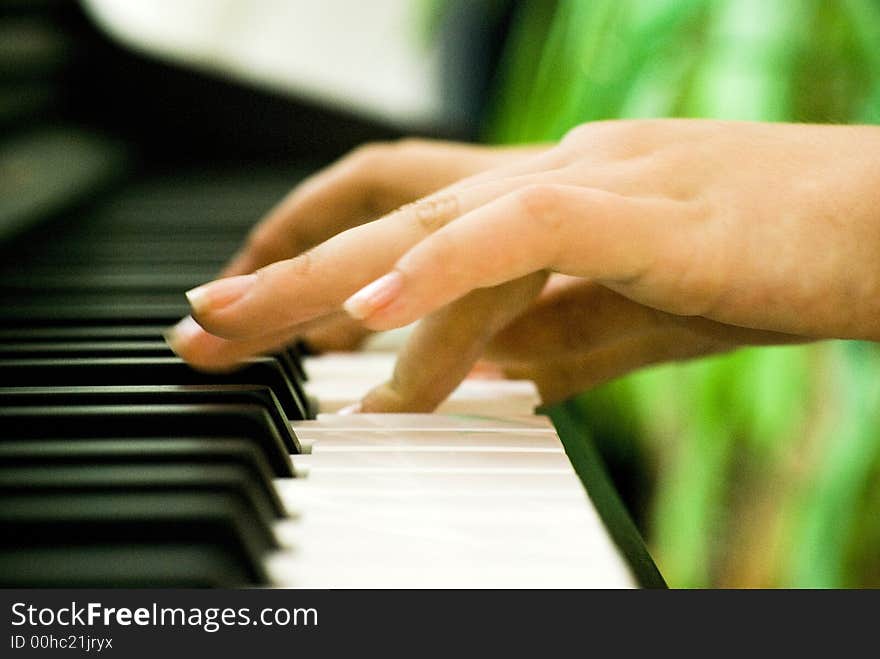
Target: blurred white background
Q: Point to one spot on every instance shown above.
(372, 57)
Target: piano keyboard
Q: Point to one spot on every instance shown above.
(123, 467)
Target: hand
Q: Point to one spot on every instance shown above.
(578, 335)
(685, 237)
(369, 182)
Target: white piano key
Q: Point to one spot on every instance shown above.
(401, 511)
(423, 432)
(308, 496)
(546, 545)
(407, 440)
(511, 481)
(379, 544)
(304, 573)
(482, 498)
(372, 548)
(435, 460)
(489, 396)
(389, 340)
(427, 422)
(535, 526)
(342, 366)
(337, 380)
(480, 567)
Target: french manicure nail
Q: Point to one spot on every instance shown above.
(220, 293)
(182, 333)
(374, 296)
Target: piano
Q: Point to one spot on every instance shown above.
(121, 466)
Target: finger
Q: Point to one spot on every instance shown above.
(580, 231)
(336, 198)
(446, 345)
(318, 281)
(571, 318)
(207, 352)
(563, 378)
(371, 181)
(336, 332)
(579, 315)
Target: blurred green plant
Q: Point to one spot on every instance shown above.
(766, 461)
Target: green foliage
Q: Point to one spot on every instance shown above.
(767, 459)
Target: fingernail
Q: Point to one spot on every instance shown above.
(374, 296)
(350, 409)
(220, 293)
(178, 336)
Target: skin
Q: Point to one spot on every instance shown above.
(626, 244)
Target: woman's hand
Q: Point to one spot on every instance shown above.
(683, 237)
(368, 183)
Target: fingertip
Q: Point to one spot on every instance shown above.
(386, 399)
(378, 401)
(383, 399)
(220, 293)
(387, 304)
(375, 296)
(198, 348)
(182, 335)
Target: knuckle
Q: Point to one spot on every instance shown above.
(303, 266)
(299, 267)
(540, 204)
(411, 145)
(595, 132)
(614, 138)
(373, 154)
(375, 168)
(368, 160)
(368, 153)
(433, 213)
(580, 133)
(365, 169)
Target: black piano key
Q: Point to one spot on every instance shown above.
(25, 333)
(111, 279)
(38, 181)
(135, 519)
(146, 451)
(84, 342)
(155, 421)
(156, 395)
(118, 337)
(197, 564)
(80, 349)
(120, 252)
(99, 285)
(287, 360)
(149, 371)
(295, 354)
(54, 309)
(122, 478)
(293, 369)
